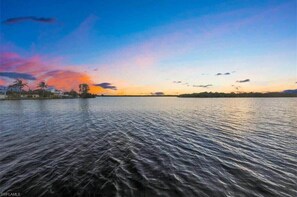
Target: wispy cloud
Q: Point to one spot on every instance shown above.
(227, 73)
(202, 86)
(28, 18)
(157, 93)
(177, 81)
(16, 75)
(177, 40)
(170, 41)
(106, 85)
(243, 81)
(80, 36)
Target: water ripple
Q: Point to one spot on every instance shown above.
(149, 147)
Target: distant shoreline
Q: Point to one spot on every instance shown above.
(295, 96)
(15, 99)
(130, 96)
(181, 96)
(138, 96)
(238, 95)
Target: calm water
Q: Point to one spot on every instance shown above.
(149, 147)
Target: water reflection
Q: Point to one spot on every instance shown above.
(84, 104)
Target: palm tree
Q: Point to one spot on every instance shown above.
(42, 85)
(83, 89)
(19, 84)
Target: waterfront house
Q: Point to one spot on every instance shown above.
(24, 96)
(35, 95)
(3, 90)
(56, 92)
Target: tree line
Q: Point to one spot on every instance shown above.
(16, 90)
(233, 94)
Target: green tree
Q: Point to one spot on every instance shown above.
(84, 90)
(42, 85)
(20, 85)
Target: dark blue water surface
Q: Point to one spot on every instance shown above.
(149, 147)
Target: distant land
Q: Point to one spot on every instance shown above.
(72, 95)
(285, 93)
(290, 91)
(142, 95)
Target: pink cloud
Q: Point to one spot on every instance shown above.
(54, 73)
(2, 82)
(9, 55)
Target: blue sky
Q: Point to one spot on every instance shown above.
(142, 46)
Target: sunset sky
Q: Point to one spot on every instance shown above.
(146, 47)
